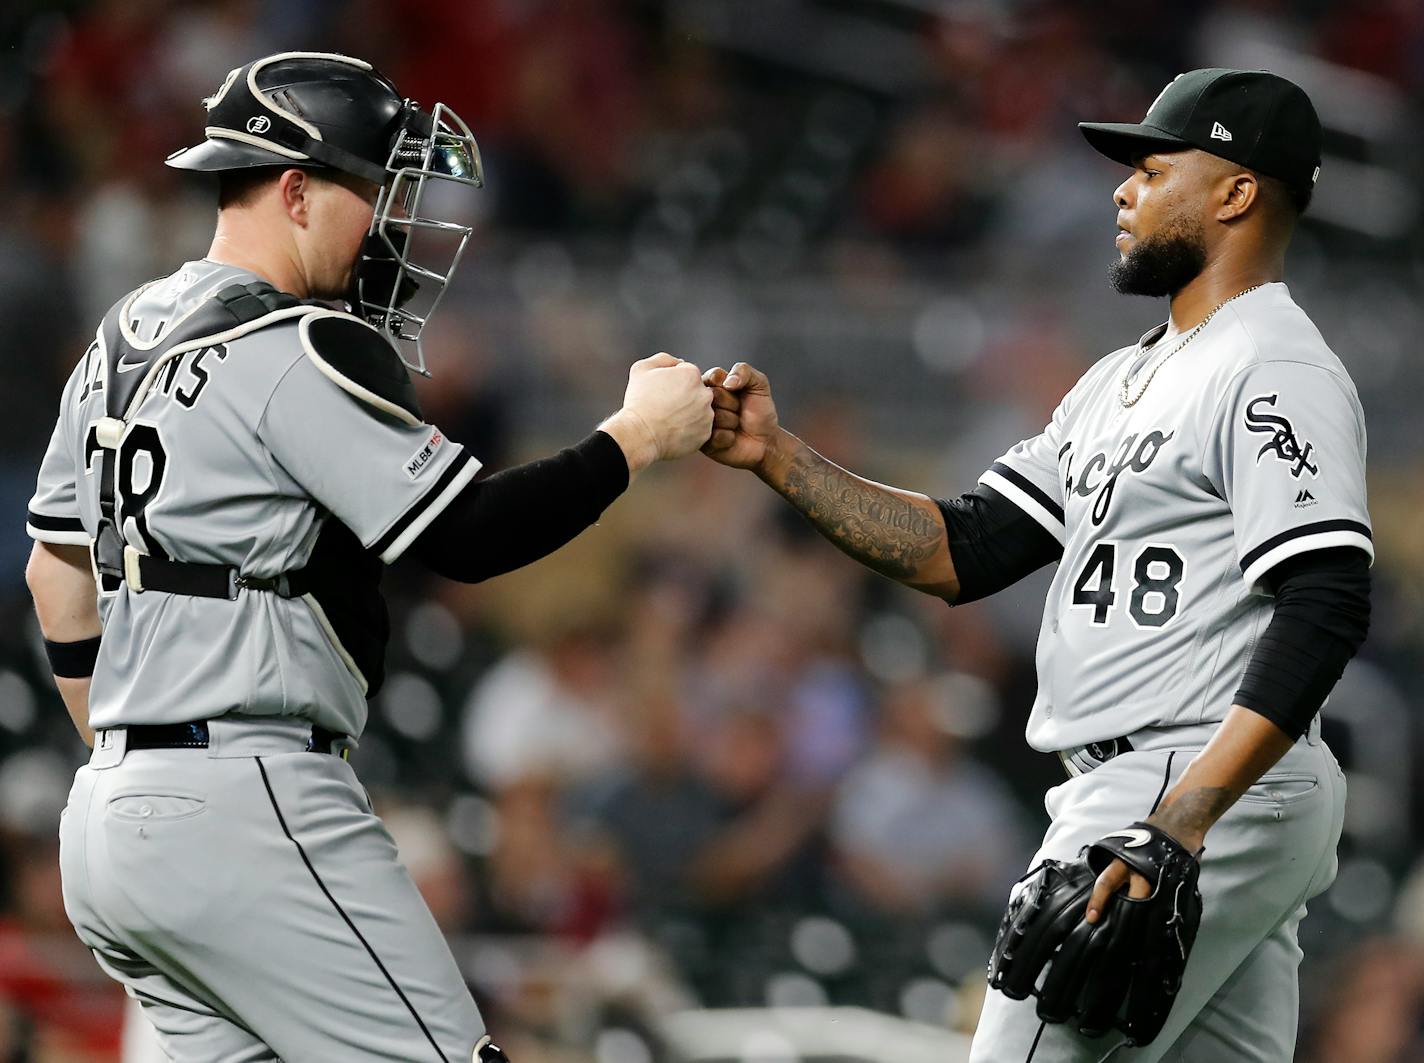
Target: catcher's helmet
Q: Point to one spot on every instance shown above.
(319, 110)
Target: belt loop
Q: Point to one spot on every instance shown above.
(133, 573)
(110, 745)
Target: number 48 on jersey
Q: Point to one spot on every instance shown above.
(1156, 576)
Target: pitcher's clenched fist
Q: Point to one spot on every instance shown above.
(745, 425)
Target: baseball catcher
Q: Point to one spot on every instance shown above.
(234, 462)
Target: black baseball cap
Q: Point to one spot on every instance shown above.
(1251, 117)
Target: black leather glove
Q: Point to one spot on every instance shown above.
(1124, 970)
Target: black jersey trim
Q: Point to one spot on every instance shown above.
(426, 507)
(1318, 528)
(282, 820)
(1029, 488)
(40, 522)
(57, 531)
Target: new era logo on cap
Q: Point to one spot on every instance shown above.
(1219, 132)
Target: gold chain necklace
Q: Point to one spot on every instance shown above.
(1132, 400)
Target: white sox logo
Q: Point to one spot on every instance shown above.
(1099, 475)
(1284, 443)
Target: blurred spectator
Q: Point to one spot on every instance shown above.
(55, 1004)
(761, 852)
(546, 711)
(538, 880)
(657, 813)
(919, 825)
(1376, 1014)
(433, 863)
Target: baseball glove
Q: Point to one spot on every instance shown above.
(1124, 970)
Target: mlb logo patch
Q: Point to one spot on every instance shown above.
(421, 458)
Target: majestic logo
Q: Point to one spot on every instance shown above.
(1304, 499)
(1219, 132)
(421, 458)
(259, 124)
(1099, 476)
(1135, 836)
(1284, 443)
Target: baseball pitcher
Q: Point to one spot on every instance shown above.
(1202, 492)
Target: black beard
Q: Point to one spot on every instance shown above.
(1161, 265)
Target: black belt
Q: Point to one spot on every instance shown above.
(194, 735)
(215, 581)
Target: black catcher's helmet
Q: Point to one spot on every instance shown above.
(319, 110)
(300, 108)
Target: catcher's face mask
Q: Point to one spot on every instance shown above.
(417, 232)
(326, 110)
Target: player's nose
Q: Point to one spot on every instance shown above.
(1120, 195)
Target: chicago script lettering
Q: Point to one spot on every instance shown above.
(1099, 475)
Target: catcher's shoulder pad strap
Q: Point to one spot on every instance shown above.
(1146, 849)
(361, 361)
(129, 360)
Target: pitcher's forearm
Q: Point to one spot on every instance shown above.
(1245, 747)
(899, 534)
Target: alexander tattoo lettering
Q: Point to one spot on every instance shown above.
(881, 530)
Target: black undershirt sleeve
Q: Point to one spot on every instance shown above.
(1322, 616)
(993, 543)
(521, 514)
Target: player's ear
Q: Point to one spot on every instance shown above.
(1237, 194)
(294, 186)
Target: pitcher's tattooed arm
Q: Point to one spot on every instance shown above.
(1192, 813)
(1245, 746)
(896, 533)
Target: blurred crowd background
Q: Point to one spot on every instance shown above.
(698, 759)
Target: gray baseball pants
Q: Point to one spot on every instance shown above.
(1270, 854)
(248, 898)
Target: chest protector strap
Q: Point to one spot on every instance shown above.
(131, 368)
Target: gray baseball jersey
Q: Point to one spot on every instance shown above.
(1246, 447)
(253, 453)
